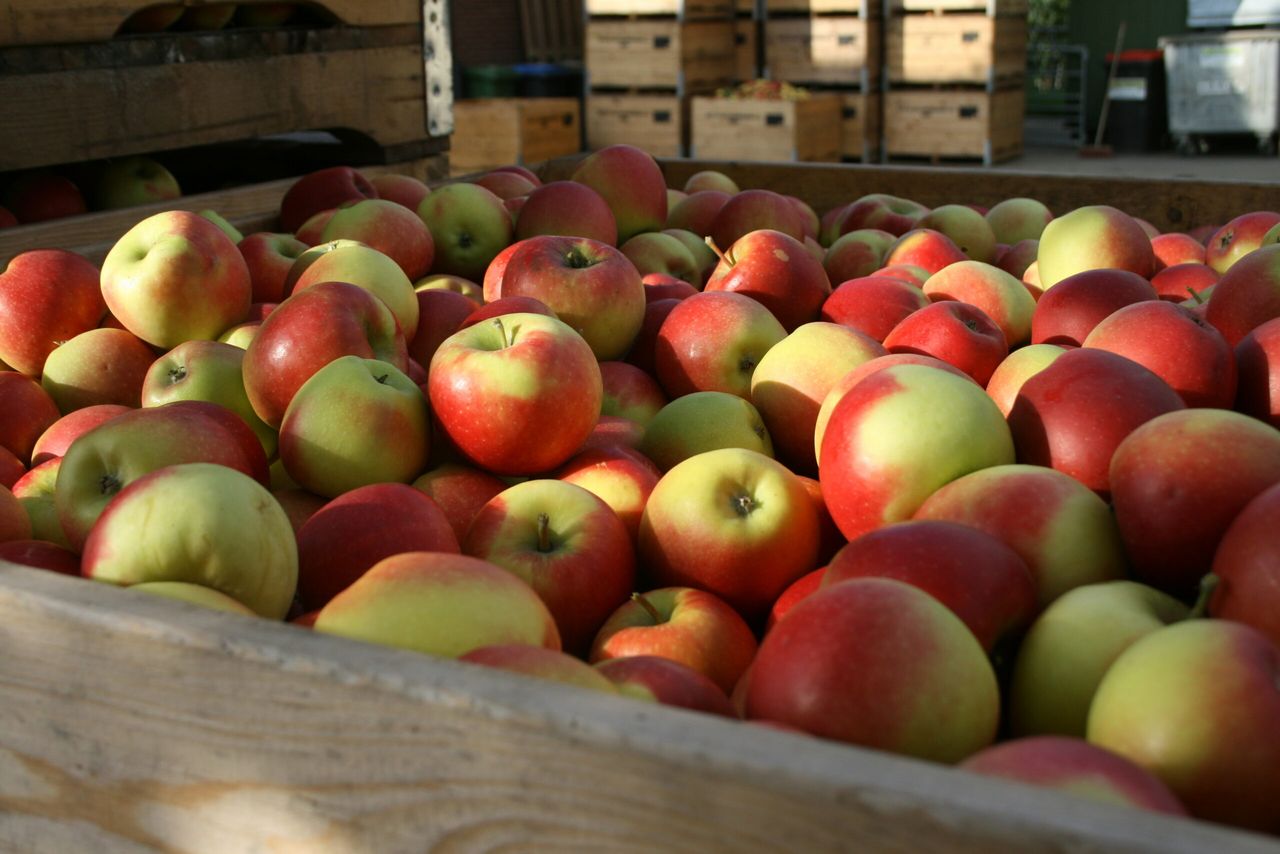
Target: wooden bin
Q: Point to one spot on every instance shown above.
(680, 8)
(491, 132)
(860, 125)
(843, 51)
(962, 124)
(988, 7)
(656, 123)
(143, 94)
(955, 48)
(865, 8)
(746, 42)
(639, 54)
(731, 129)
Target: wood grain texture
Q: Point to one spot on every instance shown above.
(30, 22)
(655, 53)
(132, 723)
(493, 132)
(250, 208)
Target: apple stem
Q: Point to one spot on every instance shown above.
(544, 533)
(639, 599)
(726, 257)
(1195, 295)
(502, 331)
(1208, 584)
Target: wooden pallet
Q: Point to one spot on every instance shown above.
(841, 50)
(731, 129)
(681, 56)
(492, 132)
(948, 125)
(955, 48)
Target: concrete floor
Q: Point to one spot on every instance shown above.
(1232, 166)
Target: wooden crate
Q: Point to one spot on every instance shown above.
(988, 7)
(732, 129)
(954, 124)
(492, 132)
(680, 8)
(843, 51)
(865, 8)
(62, 22)
(153, 93)
(134, 723)
(746, 40)
(657, 123)
(551, 30)
(955, 49)
(860, 125)
(683, 56)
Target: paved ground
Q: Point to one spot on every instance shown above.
(1228, 166)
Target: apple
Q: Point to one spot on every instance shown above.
(567, 544)
(1091, 238)
(223, 224)
(470, 226)
(11, 468)
(1196, 703)
(795, 376)
(504, 306)
(1077, 768)
(1000, 296)
(175, 277)
(977, 576)
(459, 491)
(223, 530)
(457, 284)
(387, 227)
(630, 393)
(1017, 259)
(1179, 480)
(662, 680)
(269, 257)
(540, 663)
(46, 296)
(366, 268)
(889, 213)
(341, 540)
(631, 183)
(491, 285)
(322, 190)
(1072, 415)
(614, 432)
(36, 491)
(656, 252)
(517, 394)
(1258, 369)
(702, 421)
(42, 196)
(621, 477)
(799, 590)
(1177, 345)
(1017, 219)
(907, 272)
(1245, 567)
(132, 181)
(440, 314)
(926, 248)
(697, 213)
(26, 411)
(404, 190)
(15, 524)
(1238, 238)
(881, 664)
(1177, 248)
(873, 305)
(756, 210)
(710, 179)
(55, 440)
(885, 450)
(1068, 312)
(733, 522)
(353, 423)
(1182, 281)
(101, 366)
(1018, 367)
(41, 554)
(958, 333)
(569, 209)
(776, 271)
(704, 257)
(506, 185)
(968, 230)
(686, 625)
(441, 604)
(643, 350)
(856, 254)
(712, 341)
(306, 332)
(1247, 295)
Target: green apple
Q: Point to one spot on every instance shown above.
(371, 270)
(703, 421)
(469, 225)
(195, 594)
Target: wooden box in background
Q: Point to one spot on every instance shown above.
(746, 37)
(865, 8)
(492, 132)
(860, 125)
(731, 129)
(962, 124)
(955, 48)
(656, 123)
(659, 53)
(837, 50)
(685, 8)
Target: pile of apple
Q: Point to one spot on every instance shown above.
(1014, 478)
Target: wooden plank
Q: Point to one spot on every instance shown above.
(955, 48)
(988, 7)
(250, 208)
(954, 123)
(689, 9)
(842, 51)
(860, 125)
(865, 8)
(658, 124)
(31, 22)
(660, 54)
(70, 116)
(132, 723)
(492, 132)
(746, 39)
(807, 130)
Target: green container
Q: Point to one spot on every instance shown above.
(490, 81)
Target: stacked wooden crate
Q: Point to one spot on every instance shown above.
(493, 132)
(748, 45)
(645, 59)
(832, 46)
(84, 92)
(954, 71)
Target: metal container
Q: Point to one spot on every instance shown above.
(1232, 13)
(1223, 83)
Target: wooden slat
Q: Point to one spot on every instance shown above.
(865, 8)
(947, 123)
(131, 723)
(250, 208)
(688, 8)
(492, 132)
(841, 50)
(70, 116)
(657, 124)
(660, 53)
(954, 48)
(806, 130)
(31, 22)
(991, 7)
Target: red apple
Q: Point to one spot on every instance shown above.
(569, 209)
(1247, 567)
(713, 341)
(1258, 369)
(42, 196)
(925, 248)
(697, 213)
(41, 554)
(873, 304)
(776, 271)
(404, 190)
(1177, 248)
(630, 393)
(1247, 295)
(440, 314)
(630, 182)
(754, 210)
(46, 296)
(459, 491)
(388, 227)
(1091, 238)
(269, 257)
(321, 190)
(662, 680)
(1238, 238)
(100, 366)
(1068, 312)
(621, 477)
(955, 332)
(1182, 281)
(26, 411)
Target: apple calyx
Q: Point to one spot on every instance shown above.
(465, 240)
(644, 603)
(743, 504)
(1208, 585)
(544, 533)
(177, 374)
(576, 259)
(1225, 240)
(726, 257)
(109, 484)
